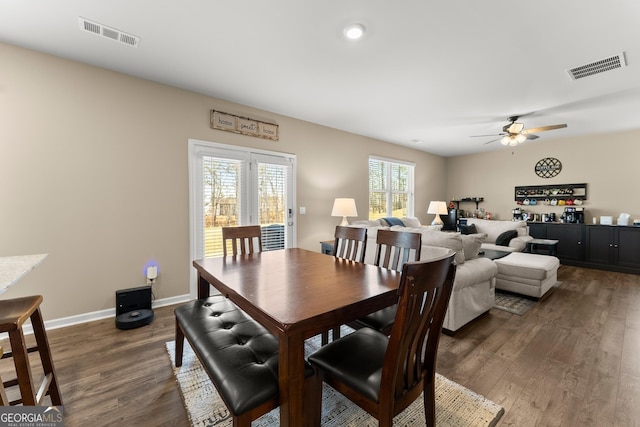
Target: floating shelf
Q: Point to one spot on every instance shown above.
(557, 191)
(476, 200)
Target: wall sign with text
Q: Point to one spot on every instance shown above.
(548, 167)
(244, 125)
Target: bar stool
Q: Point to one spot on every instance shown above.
(3, 395)
(13, 314)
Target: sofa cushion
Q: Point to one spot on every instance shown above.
(368, 223)
(471, 244)
(468, 229)
(442, 239)
(504, 238)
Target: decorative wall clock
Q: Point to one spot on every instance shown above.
(548, 167)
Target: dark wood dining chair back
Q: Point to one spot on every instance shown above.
(386, 374)
(393, 248)
(350, 243)
(242, 239)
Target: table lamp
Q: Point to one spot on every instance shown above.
(344, 207)
(437, 208)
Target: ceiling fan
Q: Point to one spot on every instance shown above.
(514, 133)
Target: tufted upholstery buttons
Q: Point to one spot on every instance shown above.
(239, 355)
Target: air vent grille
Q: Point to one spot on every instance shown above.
(597, 67)
(108, 32)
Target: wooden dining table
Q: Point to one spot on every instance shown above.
(296, 294)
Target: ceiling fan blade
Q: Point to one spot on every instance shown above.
(489, 142)
(530, 136)
(493, 134)
(543, 128)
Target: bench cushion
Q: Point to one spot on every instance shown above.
(239, 355)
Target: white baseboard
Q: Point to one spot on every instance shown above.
(98, 315)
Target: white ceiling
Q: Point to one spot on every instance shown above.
(434, 71)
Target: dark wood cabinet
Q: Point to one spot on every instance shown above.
(612, 246)
(606, 247)
(570, 240)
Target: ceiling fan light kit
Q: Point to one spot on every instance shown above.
(514, 133)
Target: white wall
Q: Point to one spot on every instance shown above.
(93, 166)
(607, 163)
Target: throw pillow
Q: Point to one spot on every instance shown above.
(393, 221)
(471, 244)
(468, 229)
(504, 238)
(411, 221)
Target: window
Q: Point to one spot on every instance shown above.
(390, 188)
(231, 186)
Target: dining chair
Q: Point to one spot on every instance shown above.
(385, 374)
(242, 238)
(350, 244)
(393, 250)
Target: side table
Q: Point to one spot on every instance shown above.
(542, 246)
(326, 247)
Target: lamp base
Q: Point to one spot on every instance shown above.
(437, 220)
(344, 222)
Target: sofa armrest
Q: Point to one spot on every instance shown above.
(519, 243)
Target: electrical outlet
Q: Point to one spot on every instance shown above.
(152, 274)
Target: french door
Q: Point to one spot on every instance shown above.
(231, 186)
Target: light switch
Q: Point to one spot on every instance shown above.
(303, 210)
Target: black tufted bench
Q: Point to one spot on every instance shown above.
(239, 355)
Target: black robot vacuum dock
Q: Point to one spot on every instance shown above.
(133, 307)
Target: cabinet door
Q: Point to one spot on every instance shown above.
(600, 240)
(569, 238)
(628, 250)
(538, 230)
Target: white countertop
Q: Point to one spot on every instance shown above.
(13, 268)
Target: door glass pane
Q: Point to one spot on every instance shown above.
(272, 204)
(221, 200)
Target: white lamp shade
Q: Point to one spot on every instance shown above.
(344, 207)
(437, 207)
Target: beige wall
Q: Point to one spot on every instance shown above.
(607, 163)
(93, 166)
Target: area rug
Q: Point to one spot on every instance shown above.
(456, 406)
(513, 303)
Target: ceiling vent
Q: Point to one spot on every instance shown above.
(110, 33)
(597, 67)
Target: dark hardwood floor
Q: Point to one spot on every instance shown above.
(572, 360)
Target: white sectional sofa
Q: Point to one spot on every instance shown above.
(474, 286)
(497, 232)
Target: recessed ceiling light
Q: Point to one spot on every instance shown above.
(354, 31)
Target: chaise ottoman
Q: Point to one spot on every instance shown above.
(527, 274)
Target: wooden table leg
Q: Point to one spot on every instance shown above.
(291, 373)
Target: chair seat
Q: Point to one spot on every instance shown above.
(381, 320)
(14, 312)
(342, 359)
